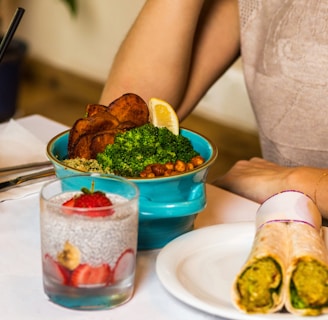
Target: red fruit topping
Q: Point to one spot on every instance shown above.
(124, 265)
(69, 203)
(85, 275)
(56, 271)
(90, 200)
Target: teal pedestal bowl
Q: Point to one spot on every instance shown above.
(168, 205)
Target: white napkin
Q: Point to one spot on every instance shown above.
(19, 146)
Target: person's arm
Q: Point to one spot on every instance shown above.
(175, 51)
(258, 179)
(313, 182)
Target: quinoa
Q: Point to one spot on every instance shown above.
(86, 165)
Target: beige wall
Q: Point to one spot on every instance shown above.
(86, 45)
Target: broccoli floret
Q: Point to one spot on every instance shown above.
(134, 149)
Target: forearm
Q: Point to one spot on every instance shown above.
(154, 58)
(175, 51)
(258, 179)
(217, 46)
(313, 182)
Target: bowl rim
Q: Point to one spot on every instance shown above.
(207, 163)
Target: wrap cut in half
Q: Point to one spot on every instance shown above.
(288, 263)
(307, 272)
(260, 286)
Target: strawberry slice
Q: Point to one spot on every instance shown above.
(124, 265)
(85, 275)
(55, 271)
(69, 203)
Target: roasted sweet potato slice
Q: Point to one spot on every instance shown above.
(100, 122)
(82, 147)
(130, 108)
(93, 109)
(127, 125)
(90, 135)
(100, 140)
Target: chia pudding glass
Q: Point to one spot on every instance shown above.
(89, 254)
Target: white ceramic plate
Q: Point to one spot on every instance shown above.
(198, 268)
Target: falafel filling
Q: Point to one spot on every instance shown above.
(309, 285)
(259, 284)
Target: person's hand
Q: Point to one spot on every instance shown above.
(256, 179)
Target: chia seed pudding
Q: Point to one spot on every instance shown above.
(89, 232)
(99, 239)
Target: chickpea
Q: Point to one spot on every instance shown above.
(197, 161)
(143, 174)
(190, 166)
(168, 173)
(148, 169)
(158, 169)
(150, 175)
(180, 166)
(169, 165)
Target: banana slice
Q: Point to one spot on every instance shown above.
(70, 256)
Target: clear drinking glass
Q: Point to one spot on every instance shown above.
(89, 254)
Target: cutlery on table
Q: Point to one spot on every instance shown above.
(25, 166)
(28, 177)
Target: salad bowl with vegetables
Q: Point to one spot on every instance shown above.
(170, 170)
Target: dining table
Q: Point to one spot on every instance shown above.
(21, 289)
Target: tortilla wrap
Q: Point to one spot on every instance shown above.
(307, 272)
(289, 235)
(260, 285)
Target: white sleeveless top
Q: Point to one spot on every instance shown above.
(284, 45)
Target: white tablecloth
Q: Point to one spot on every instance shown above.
(21, 292)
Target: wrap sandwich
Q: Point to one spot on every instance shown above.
(307, 272)
(260, 285)
(288, 262)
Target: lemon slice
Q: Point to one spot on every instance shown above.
(161, 114)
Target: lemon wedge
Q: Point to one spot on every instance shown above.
(162, 114)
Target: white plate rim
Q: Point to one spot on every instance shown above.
(180, 248)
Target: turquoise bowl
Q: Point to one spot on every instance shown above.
(168, 205)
